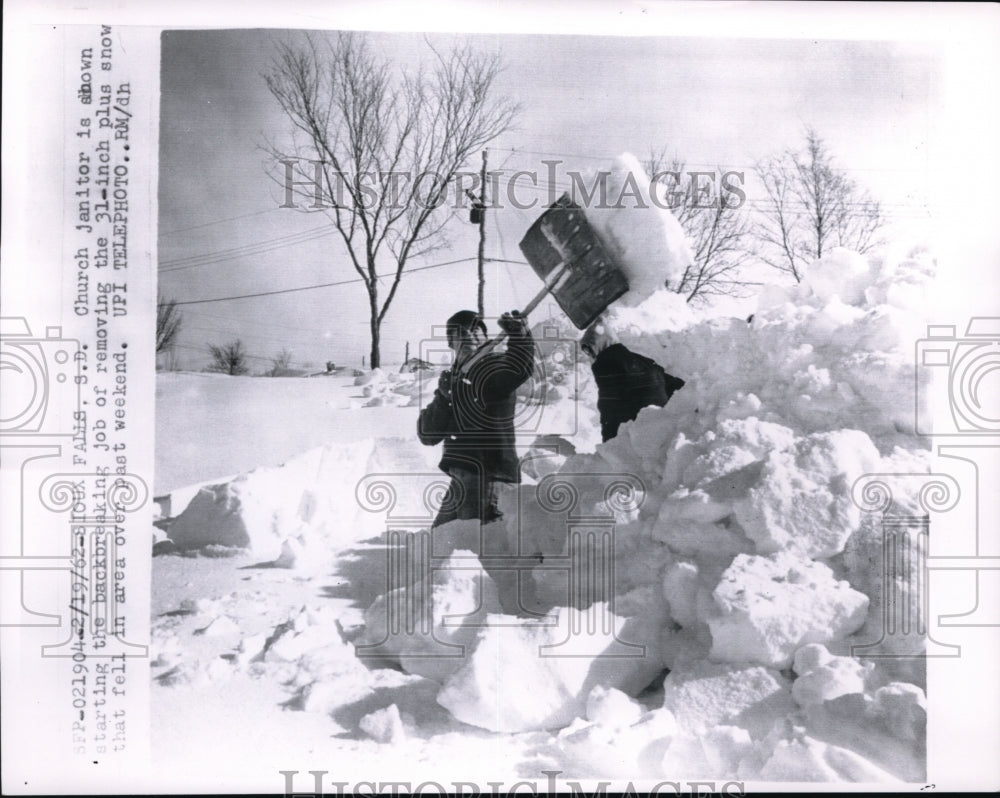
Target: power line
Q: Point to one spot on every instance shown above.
(217, 221)
(312, 287)
(607, 159)
(246, 250)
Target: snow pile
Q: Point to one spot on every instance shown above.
(291, 513)
(630, 213)
(682, 599)
(740, 515)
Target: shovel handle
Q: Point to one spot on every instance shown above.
(551, 279)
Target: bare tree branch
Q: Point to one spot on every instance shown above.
(168, 324)
(388, 146)
(717, 229)
(813, 206)
(229, 358)
(280, 363)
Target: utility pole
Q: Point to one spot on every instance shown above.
(482, 236)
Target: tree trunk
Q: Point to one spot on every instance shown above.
(374, 326)
(375, 357)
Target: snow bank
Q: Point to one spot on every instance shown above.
(749, 526)
(293, 513)
(721, 537)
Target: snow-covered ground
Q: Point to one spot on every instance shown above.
(680, 602)
(254, 421)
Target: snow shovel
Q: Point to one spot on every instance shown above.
(575, 267)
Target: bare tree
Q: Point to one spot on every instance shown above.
(280, 363)
(168, 324)
(716, 225)
(377, 151)
(812, 206)
(229, 358)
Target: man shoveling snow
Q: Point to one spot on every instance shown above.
(472, 412)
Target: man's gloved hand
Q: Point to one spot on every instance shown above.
(513, 323)
(444, 386)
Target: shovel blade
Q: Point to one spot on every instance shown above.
(592, 281)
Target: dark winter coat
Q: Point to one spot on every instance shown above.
(473, 412)
(626, 383)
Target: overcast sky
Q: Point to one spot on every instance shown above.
(715, 103)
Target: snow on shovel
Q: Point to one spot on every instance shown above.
(575, 266)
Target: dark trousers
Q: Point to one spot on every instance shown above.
(469, 496)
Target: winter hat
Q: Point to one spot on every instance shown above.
(596, 339)
(465, 320)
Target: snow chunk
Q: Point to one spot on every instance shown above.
(607, 706)
(602, 751)
(803, 501)
(687, 587)
(196, 673)
(680, 588)
(221, 626)
(384, 725)
(724, 747)
(703, 695)
(429, 629)
(531, 675)
(636, 227)
(546, 455)
(367, 377)
(250, 647)
(165, 648)
(661, 310)
(291, 645)
(902, 707)
(292, 551)
(823, 676)
(767, 607)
